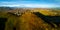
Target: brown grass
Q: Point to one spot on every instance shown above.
(27, 21)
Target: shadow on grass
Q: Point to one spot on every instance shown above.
(2, 23)
(49, 19)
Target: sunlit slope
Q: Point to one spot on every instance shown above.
(30, 21)
(27, 21)
(3, 14)
(48, 12)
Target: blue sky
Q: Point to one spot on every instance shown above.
(30, 3)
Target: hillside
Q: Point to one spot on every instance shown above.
(28, 21)
(48, 12)
(32, 22)
(21, 19)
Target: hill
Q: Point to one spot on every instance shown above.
(27, 19)
(47, 12)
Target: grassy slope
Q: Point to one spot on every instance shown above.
(3, 14)
(47, 12)
(32, 22)
(27, 21)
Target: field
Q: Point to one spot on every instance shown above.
(29, 19)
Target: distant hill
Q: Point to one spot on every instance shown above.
(6, 8)
(44, 11)
(47, 12)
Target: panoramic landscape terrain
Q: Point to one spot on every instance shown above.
(29, 14)
(29, 18)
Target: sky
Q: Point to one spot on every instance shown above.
(30, 3)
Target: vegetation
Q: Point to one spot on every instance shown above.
(29, 20)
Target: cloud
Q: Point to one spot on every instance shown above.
(15, 4)
(9, 5)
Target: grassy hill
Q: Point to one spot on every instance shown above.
(48, 12)
(28, 20)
